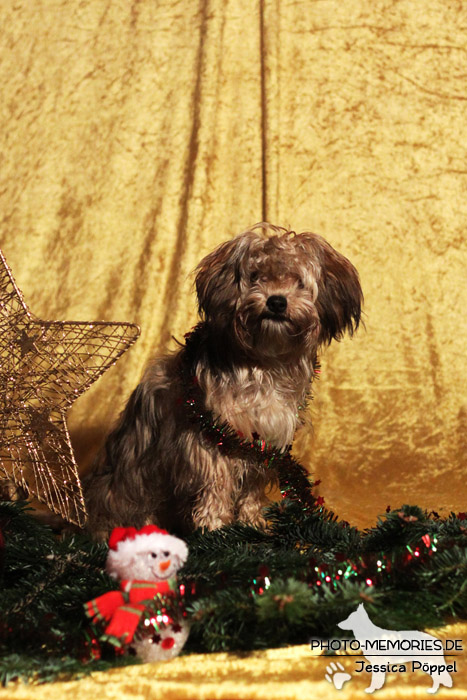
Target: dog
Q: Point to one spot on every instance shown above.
(381, 642)
(268, 299)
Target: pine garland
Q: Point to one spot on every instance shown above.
(244, 588)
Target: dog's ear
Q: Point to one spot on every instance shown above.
(340, 295)
(219, 274)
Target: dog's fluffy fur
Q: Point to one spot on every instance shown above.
(268, 299)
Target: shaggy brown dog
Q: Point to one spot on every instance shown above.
(268, 298)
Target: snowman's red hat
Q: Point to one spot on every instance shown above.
(124, 542)
(120, 534)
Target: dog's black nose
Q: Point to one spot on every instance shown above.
(277, 304)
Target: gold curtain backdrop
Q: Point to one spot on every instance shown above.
(136, 136)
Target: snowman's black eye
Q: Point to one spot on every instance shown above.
(153, 555)
(166, 554)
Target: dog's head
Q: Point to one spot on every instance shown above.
(280, 293)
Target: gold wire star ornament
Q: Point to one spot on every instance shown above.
(44, 367)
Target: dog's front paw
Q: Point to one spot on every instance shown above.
(254, 519)
(209, 523)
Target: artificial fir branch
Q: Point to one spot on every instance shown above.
(244, 588)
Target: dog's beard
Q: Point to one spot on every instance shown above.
(269, 335)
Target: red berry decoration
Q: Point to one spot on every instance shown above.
(168, 643)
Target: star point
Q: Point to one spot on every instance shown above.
(44, 367)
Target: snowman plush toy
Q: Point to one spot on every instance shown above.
(146, 562)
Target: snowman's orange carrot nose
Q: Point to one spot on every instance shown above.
(164, 565)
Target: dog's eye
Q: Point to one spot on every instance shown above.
(254, 276)
(300, 284)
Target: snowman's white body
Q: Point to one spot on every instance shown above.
(166, 644)
(150, 555)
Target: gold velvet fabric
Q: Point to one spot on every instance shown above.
(137, 135)
(275, 674)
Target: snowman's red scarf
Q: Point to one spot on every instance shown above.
(123, 609)
(293, 477)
